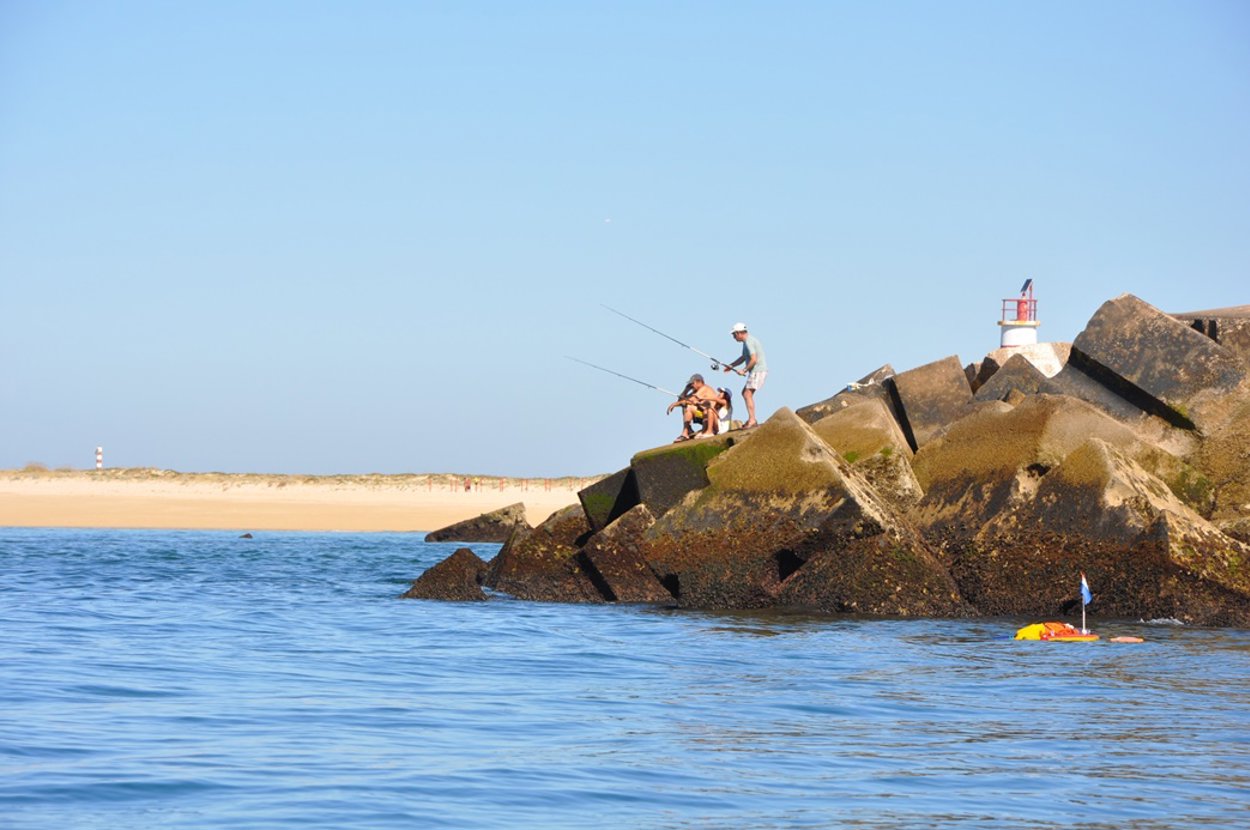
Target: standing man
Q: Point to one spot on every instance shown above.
(755, 369)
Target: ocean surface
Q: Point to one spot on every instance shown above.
(195, 679)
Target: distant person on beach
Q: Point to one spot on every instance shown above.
(755, 369)
(700, 404)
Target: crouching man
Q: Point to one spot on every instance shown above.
(700, 404)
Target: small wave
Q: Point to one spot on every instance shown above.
(1162, 621)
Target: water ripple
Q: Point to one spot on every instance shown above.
(185, 680)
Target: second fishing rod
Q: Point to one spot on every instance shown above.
(717, 364)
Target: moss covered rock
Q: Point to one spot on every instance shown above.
(867, 436)
(609, 498)
(1101, 512)
(458, 578)
(615, 559)
(543, 563)
(773, 506)
(664, 475)
(995, 458)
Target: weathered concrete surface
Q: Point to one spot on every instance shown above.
(543, 563)
(609, 498)
(863, 429)
(867, 436)
(664, 475)
(1224, 455)
(980, 372)
(929, 398)
(773, 504)
(1100, 512)
(494, 526)
(870, 386)
(875, 573)
(1047, 358)
(993, 461)
(1075, 383)
(457, 578)
(1017, 373)
(1230, 327)
(615, 559)
(1155, 362)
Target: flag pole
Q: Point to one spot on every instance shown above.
(1086, 596)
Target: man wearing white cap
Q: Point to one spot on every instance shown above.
(755, 369)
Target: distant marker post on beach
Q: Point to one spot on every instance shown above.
(99, 458)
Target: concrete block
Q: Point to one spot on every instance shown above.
(1017, 373)
(610, 498)
(869, 387)
(1156, 362)
(494, 526)
(928, 398)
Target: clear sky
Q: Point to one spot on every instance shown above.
(362, 237)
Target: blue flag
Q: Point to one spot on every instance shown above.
(1086, 596)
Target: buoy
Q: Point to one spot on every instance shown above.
(1055, 632)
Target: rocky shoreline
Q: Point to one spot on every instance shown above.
(945, 490)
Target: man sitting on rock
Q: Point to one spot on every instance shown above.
(700, 404)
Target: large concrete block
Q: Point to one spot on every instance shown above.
(1155, 361)
(494, 526)
(609, 498)
(1047, 358)
(664, 475)
(868, 437)
(457, 578)
(979, 373)
(1017, 373)
(864, 429)
(869, 387)
(1145, 552)
(929, 398)
(775, 503)
(615, 559)
(1230, 327)
(543, 564)
(993, 460)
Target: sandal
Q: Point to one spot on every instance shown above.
(681, 438)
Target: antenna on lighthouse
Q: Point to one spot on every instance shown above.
(1019, 321)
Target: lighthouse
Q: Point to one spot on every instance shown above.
(1019, 318)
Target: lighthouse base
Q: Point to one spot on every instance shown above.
(1022, 333)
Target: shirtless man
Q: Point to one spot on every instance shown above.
(699, 402)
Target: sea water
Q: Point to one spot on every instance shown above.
(198, 679)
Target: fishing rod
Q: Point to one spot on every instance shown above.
(716, 364)
(627, 377)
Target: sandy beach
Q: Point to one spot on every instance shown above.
(143, 498)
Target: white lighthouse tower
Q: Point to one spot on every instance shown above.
(1019, 318)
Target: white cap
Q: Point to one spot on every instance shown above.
(738, 327)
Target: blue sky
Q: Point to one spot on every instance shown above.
(362, 237)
